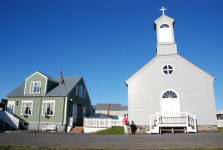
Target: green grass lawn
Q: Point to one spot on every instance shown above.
(113, 130)
(220, 129)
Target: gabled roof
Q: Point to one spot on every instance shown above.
(198, 68)
(157, 57)
(43, 75)
(49, 77)
(59, 90)
(141, 69)
(113, 107)
(164, 18)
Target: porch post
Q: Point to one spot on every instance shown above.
(187, 120)
(195, 123)
(150, 123)
(158, 121)
(157, 118)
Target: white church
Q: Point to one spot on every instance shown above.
(170, 92)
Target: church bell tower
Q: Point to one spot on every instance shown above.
(164, 26)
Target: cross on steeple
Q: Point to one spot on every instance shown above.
(163, 10)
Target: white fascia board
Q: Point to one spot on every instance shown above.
(198, 68)
(141, 70)
(37, 72)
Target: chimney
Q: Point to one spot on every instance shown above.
(108, 108)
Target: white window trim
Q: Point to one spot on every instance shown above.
(46, 79)
(161, 95)
(167, 65)
(11, 103)
(30, 92)
(170, 28)
(48, 101)
(27, 101)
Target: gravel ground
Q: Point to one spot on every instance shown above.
(66, 140)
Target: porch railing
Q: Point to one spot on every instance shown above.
(182, 119)
(219, 123)
(10, 119)
(101, 122)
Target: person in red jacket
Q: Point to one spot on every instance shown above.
(125, 124)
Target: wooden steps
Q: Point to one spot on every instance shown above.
(77, 129)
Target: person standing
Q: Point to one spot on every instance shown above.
(133, 128)
(125, 124)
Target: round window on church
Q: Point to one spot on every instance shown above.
(168, 69)
(169, 94)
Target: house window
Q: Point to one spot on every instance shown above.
(48, 108)
(85, 93)
(84, 112)
(74, 108)
(11, 106)
(168, 69)
(76, 92)
(27, 107)
(35, 87)
(81, 91)
(169, 94)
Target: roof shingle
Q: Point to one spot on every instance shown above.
(59, 90)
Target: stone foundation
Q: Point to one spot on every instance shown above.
(38, 126)
(207, 128)
(140, 129)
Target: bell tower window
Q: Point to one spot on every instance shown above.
(164, 26)
(165, 33)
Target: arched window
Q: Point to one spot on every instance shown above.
(164, 26)
(169, 94)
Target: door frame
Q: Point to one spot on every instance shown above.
(168, 99)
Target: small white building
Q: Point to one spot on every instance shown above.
(170, 86)
(111, 109)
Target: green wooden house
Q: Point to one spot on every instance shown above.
(41, 100)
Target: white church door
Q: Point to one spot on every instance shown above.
(170, 103)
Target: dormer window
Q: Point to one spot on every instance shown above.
(35, 87)
(164, 26)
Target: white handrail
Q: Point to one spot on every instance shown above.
(173, 119)
(219, 123)
(102, 122)
(10, 119)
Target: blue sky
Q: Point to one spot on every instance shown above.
(105, 41)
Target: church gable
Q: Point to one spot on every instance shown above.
(140, 71)
(211, 77)
(170, 67)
